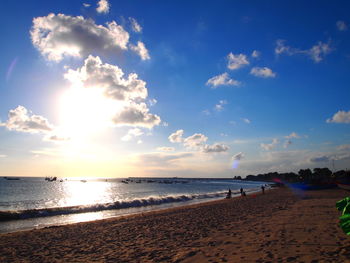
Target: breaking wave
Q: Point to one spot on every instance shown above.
(151, 201)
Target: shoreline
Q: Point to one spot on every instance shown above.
(114, 213)
(66, 218)
(279, 226)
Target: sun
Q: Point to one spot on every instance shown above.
(84, 112)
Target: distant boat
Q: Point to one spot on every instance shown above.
(344, 186)
(51, 179)
(83, 181)
(12, 178)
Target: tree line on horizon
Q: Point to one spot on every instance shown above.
(317, 175)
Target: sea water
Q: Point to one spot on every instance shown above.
(29, 203)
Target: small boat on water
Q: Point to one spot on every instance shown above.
(12, 178)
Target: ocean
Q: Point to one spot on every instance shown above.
(30, 202)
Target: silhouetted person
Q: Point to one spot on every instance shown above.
(242, 191)
(263, 189)
(229, 194)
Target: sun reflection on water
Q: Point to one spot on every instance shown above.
(86, 193)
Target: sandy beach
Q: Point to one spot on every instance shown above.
(279, 226)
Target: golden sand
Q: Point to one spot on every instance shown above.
(279, 226)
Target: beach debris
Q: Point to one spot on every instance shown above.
(344, 206)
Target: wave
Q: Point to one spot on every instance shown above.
(150, 201)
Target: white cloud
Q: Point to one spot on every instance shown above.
(166, 149)
(86, 5)
(270, 146)
(236, 61)
(109, 77)
(263, 72)
(222, 80)
(3, 155)
(215, 148)
(195, 141)
(316, 52)
(136, 115)
(292, 135)
(20, 119)
(238, 156)
(58, 36)
(220, 105)
(340, 117)
(176, 136)
(135, 25)
(256, 54)
(140, 50)
(341, 26)
(129, 92)
(102, 6)
(246, 120)
(132, 133)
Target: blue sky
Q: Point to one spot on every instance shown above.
(165, 88)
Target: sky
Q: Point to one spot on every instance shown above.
(99, 88)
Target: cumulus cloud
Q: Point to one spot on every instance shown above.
(176, 136)
(256, 54)
(22, 120)
(220, 105)
(236, 61)
(166, 149)
(129, 91)
(136, 115)
(58, 36)
(132, 133)
(270, 146)
(238, 156)
(316, 52)
(102, 6)
(340, 117)
(140, 50)
(195, 141)
(215, 148)
(135, 25)
(263, 72)
(341, 26)
(222, 80)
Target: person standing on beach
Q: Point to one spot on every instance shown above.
(229, 194)
(263, 189)
(241, 191)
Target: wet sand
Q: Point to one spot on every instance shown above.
(279, 226)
